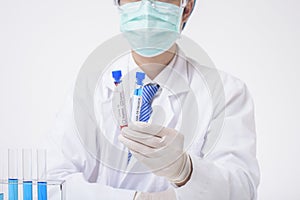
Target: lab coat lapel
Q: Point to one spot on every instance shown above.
(175, 86)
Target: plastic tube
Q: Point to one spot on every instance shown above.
(27, 174)
(42, 174)
(1, 174)
(119, 100)
(13, 174)
(137, 97)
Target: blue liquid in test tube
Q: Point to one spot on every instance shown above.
(42, 174)
(42, 190)
(27, 174)
(13, 174)
(12, 189)
(27, 190)
(2, 176)
(137, 97)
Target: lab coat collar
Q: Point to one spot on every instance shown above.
(173, 77)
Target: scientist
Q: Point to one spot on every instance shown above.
(162, 156)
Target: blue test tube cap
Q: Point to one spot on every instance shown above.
(140, 76)
(117, 75)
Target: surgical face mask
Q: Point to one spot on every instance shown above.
(151, 28)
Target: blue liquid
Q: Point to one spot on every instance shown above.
(13, 189)
(27, 190)
(42, 190)
(1, 196)
(138, 92)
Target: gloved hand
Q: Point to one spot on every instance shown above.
(159, 148)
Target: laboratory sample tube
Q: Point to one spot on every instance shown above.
(27, 174)
(1, 191)
(137, 97)
(119, 100)
(13, 174)
(42, 174)
(2, 179)
(1, 182)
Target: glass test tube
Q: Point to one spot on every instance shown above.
(27, 174)
(42, 173)
(1, 192)
(13, 174)
(1, 184)
(1, 175)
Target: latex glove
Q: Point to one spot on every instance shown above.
(159, 148)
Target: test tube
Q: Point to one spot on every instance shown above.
(1, 175)
(1, 183)
(27, 174)
(13, 174)
(137, 97)
(42, 173)
(119, 99)
(1, 192)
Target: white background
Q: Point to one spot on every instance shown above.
(44, 43)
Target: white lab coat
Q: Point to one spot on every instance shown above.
(228, 172)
